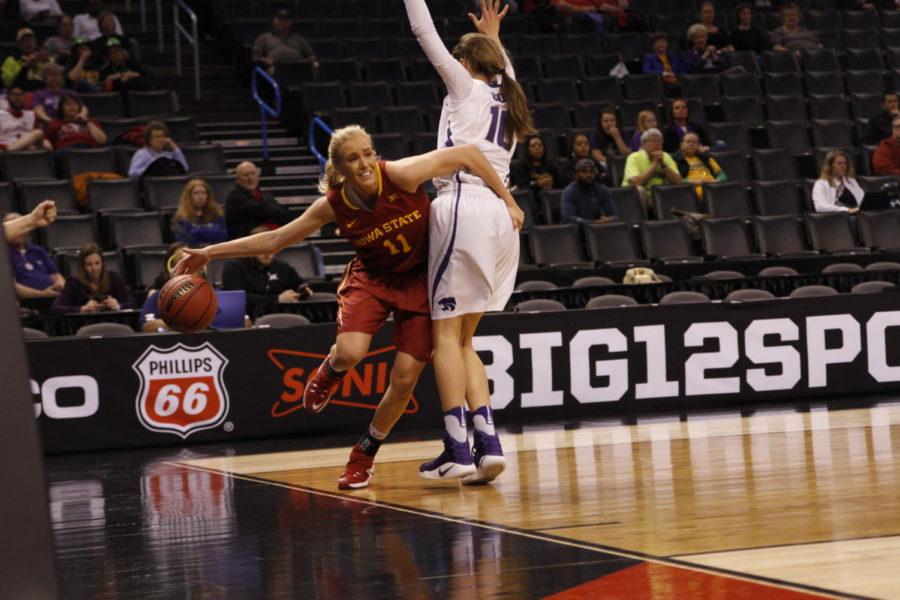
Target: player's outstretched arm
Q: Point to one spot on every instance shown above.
(269, 242)
(410, 173)
(454, 75)
(42, 215)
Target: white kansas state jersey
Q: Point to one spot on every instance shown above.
(480, 119)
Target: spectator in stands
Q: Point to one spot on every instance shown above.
(660, 61)
(81, 70)
(680, 125)
(267, 281)
(87, 25)
(579, 150)
(282, 46)
(121, 73)
(585, 200)
(25, 67)
(879, 127)
(792, 35)
(46, 102)
(716, 36)
(836, 190)
(59, 46)
(34, 272)
(107, 23)
(768, 6)
(39, 11)
(199, 220)
(650, 166)
(886, 158)
(247, 207)
(18, 126)
(73, 129)
(745, 36)
(93, 288)
(544, 16)
(695, 165)
(536, 171)
(160, 157)
(858, 5)
(646, 120)
(607, 139)
(701, 57)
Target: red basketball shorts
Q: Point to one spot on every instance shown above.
(366, 300)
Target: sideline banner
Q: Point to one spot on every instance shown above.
(167, 389)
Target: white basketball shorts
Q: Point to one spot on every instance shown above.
(473, 252)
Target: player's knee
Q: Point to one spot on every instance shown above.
(343, 358)
(404, 380)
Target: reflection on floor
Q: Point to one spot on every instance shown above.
(780, 503)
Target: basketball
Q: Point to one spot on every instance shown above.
(187, 303)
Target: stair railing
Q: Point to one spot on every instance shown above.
(317, 122)
(159, 21)
(192, 38)
(264, 107)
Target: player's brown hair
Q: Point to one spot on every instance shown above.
(332, 178)
(487, 58)
(81, 274)
(212, 210)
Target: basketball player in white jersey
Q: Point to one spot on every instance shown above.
(473, 237)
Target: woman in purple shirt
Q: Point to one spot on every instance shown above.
(199, 220)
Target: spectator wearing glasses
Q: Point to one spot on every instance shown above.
(650, 166)
(886, 158)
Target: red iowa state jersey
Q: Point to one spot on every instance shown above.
(392, 235)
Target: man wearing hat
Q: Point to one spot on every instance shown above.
(81, 70)
(584, 200)
(282, 46)
(25, 66)
(121, 73)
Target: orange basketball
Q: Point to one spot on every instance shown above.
(187, 303)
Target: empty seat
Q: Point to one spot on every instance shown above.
(628, 205)
(600, 65)
(28, 164)
(821, 59)
(70, 231)
(295, 75)
(84, 160)
(33, 334)
(536, 285)
(705, 87)
(613, 245)
(306, 260)
(832, 232)
(628, 45)
(727, 239)
(677, 197)
(280, 320)
(373, 93)
(113, 194)
(391, 146)
(684, 298)
(832, 133)
(735, 165)
(750, 295)
(371, 47)
(883, 265)
(865, 106)
(611, 301)
(156, 103)
(777, 198)
(107, 104)
(643, 87)
(182, 129)
(828, 107)
(556, 90)
(322, 97)
(553, 245)
(860, 38)
(550, 201)
(871, 287)
(204, 158)
(746, 110)
(8, 202)
(668, 242)
(865, 82)
(779, 62)
(33, 191)
(774, 163)
(727, 199)
(341, 70)
(824, 83)
(552, 115)
(781, 236)
(581, 43)
(592, 281)
(400, 119)
(778, 271)
(104, 330)
(791, 135)
(735, 136)
(809, 291)
(546, 43)
(842, 267)
(563, 65)
(384, 69)
(785, 108)
(586, 113)
(740, 84)
(540, 305)
(785, 84)
(164, 192)
(828, 19)
(359, 115)
(417, 93)
(863, 59)
(130, 230)
(879, 229)
(723, 274)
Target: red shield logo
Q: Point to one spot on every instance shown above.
(182, 389)
(362, 386)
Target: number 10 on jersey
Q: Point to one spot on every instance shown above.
(497, 131)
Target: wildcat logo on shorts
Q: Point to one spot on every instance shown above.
(182, 389)
(447, 304)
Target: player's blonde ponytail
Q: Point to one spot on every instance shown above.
(332, 178)
(486, 58)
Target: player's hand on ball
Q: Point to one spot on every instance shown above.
(517, 216)
(44, 213)
(192, 262)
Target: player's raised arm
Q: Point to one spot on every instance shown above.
(454, 75)
(410, 173)
(489, 24)
(269, 242)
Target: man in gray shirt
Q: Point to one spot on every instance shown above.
(280, 45)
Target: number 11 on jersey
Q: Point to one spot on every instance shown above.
(497, 131)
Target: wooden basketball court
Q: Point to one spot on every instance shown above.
(778, 503)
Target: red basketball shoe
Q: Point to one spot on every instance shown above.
(358, 472)
(320, 389)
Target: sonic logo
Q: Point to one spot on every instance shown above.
(362, 386)
(182, 388)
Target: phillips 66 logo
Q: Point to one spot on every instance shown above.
(182, 388)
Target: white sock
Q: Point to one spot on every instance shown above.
(378, 435)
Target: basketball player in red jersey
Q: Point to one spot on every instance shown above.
(381, 208)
